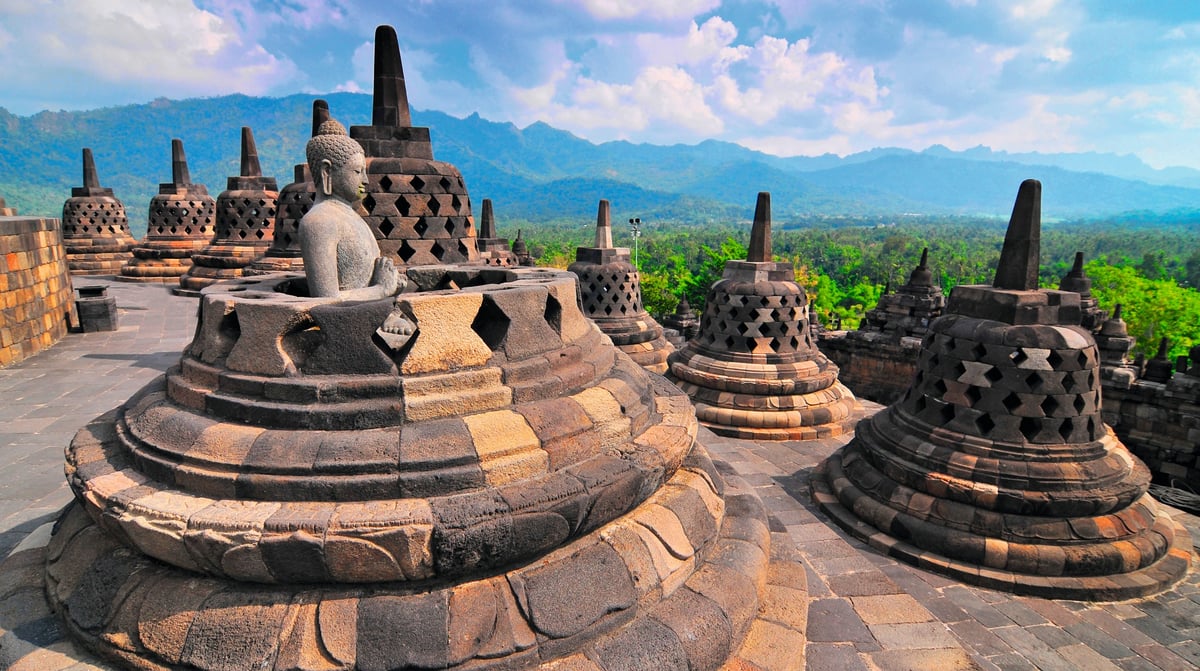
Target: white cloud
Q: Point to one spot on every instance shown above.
(701, 43)
(655, 9)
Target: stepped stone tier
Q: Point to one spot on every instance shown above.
(37, 303)
(493, 251)
(1091, 316)
(295, 199)
(245, 225)
(611, 289)
(753, 371)
(506, 490)
(417, 207)
(95, 230)
(682, 325)
(996, 467)
(879, 359)
(183, 219)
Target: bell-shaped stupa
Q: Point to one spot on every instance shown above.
(753, 371)
(417, 207)
(996, 467)
(95, 229)
(493, 250)
(183, 219)
(909, 310)
(295, 199)
(245, 224)
(611, 290)
(1090, 314)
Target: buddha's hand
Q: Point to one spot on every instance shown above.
(385, 276)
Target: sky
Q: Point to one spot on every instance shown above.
(787, 77)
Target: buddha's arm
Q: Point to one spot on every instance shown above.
(318, 247)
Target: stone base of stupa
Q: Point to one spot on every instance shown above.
(291, 263)
(161, 261)
(642, 339)
(218, 263)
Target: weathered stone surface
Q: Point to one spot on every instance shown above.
(37, 301)
(95, 229)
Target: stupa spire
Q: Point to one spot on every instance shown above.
(250, 165)
(760, 234)
(487, 221)
(320, 114)
(1018, 266)
(91, 180)
(603, 226)
(390, 107)
(179, 166)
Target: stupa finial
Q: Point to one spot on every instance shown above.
(320, 114)
(91, 180)
(179, 166)
(604, 238)
(924, 258)
(487, 222)
(390, 106)
(1018, 267)
(250, 165)
(1077, 268)
(760, 234)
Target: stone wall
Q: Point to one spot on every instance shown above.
(875, 366)
(1160, 424)
(37, 303)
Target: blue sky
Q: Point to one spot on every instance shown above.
(783, 76)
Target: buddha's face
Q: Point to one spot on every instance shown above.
(349, 181)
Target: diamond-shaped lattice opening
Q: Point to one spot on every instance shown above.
(435, 206)
(445, 183)
(973, 395)
(456, 203)
(1050, 406)
(729, 342)
(993, 375)
(369, 203)
(1094, 428)
(449, 226)
(1033, 381)
(933, 360)
(1083, 359)
(462, 249)
(795, 343)
(405, 252)
(437, 250)
(979, 351)
(742, 328)
(1079, 404)
(418, 184)
(1066, 429)
(959, 370)
(1054, 360)
(940, 387)
(420, 227)
(1018, 357)
(1012, 402)
(946, 412)
(386, 227)
(1068, 382)
(403, 205)
(985, 424)
(491, 324)
(385, 183)
(242, 234)
(1030, 427)
(259, 234)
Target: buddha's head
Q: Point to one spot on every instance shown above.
(338, 166)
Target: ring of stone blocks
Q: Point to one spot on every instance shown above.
(1100, 479)
(692, 559)
(705, 369)
(836, 404)
(1098, 571)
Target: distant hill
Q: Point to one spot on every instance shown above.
(540, 173)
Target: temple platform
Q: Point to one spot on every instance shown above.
(841, 605)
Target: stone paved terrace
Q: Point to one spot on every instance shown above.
(866, 611)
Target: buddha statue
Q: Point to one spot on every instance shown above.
(341, 256)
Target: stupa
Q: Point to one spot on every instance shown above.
(95, 229)
(294, 201)
(417, 207)
(1091, 316)
(183, 220)
(611, 290)
(753, 371)
(245, 225)
(682, 325)
(995, 467)
(495, 488)
(493, 250)
(910, 309)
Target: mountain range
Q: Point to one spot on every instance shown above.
(540, 173)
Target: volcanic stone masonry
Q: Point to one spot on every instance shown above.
(753, 371)
(5, 210)
(417, 207)
(996, 467)
(879, 359)
(294, 201)
(37, 303)
(682, 325)
(183, 220)
(1091, 316)
(493, 251)
(611, 290)
(95, 229)
(245, 219)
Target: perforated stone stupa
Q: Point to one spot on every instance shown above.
(1090, 314)
(504, 491)
(183, 219)
(95, 229)
(295, 199)
(753, 371)
(246, 212)
(995, 467)
(493, 250)
(910, 309)
(611, 289)
(417, 207)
